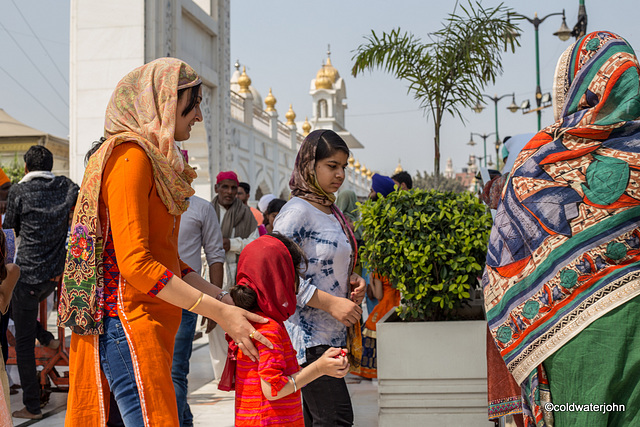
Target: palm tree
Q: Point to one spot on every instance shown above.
(450, 71)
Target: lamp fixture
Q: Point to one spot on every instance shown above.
(511, 34)
(563, 33)
(513, 107)
(478, 107)
(471, 141)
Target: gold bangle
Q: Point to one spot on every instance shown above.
(197, 302)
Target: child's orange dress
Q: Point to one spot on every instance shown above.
(275, 366)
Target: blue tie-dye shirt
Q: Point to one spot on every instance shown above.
(323, 241)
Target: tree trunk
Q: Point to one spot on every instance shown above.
(436, 159)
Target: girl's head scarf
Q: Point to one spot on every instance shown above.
(265, 265)
(565, 239)
(143, 110)
(303, 182)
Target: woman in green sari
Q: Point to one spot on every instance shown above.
(561, 286)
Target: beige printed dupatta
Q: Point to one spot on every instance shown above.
(142, 109)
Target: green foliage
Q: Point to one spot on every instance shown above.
(14, 170)
(431, 182)
(431, 245)
(449, 72)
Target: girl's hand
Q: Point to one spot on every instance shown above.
(334, 363)
(345, 311)
(358, 286)
(235, 322)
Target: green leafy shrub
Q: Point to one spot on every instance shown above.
(14, 170)
(430, 244)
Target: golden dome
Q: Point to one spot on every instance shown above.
(369, 173)
(244, 81)
(290, 116)
(323, 81)
(306, 127)
(398, 168)
(356, 166)
(351, 160)
(270, 101)
(363, 170)
(330, 71)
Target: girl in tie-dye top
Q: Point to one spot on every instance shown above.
(267, 391)
(329, 298)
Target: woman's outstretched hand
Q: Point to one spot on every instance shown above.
(235, 322)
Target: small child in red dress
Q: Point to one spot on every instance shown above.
(268, 391)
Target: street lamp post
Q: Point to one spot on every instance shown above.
(563, 34)
(513, 107)
(484, 138)
(580, 29)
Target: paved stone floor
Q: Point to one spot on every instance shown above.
(210, 406)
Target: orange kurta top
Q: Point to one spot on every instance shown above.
(145, 237)
(390, 299)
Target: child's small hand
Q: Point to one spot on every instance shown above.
(343, 352)
(334, 363)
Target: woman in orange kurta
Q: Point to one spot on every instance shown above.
(124, 283)
(388, 298)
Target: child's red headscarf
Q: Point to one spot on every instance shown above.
(265, 265)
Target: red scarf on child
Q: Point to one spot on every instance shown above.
(265, 265)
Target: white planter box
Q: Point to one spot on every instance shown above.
(432, 374)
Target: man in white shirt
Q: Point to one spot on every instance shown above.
(199, 229)
(239, 228)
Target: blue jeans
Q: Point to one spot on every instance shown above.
(180, 368)
(116, 363)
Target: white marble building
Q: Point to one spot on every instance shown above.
(265, 148)
(109, 39)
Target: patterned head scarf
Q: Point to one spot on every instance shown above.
(303, 182)
(565, 245)
(142, 109)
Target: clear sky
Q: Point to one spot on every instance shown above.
(283, 43)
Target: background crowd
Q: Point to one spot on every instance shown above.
(135, 246)
(284, 292)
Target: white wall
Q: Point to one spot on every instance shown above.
(109, 39)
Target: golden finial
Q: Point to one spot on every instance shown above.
(351, 161)
(244, 81)
(329, 70)
(306, 127)
(356, 166)
(398, 168)
(270, 101)
(323, 81)
(290, 116)
(369, 173)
